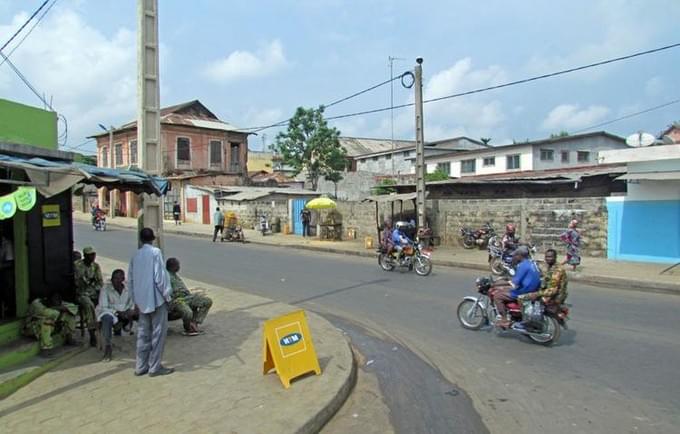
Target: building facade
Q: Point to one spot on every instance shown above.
(193, 141)
(555, 153)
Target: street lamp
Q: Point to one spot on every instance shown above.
(112, 198)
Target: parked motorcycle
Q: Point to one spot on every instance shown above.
(539, 322)
(415, 257)
(500, 261)
(480, 237)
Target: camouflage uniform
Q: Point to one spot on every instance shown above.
(42, 321)
(190, 307)
(553, 283)
(89, 281)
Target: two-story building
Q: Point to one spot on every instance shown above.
(552, 153)
(194, 141)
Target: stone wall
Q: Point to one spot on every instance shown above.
(539, 221)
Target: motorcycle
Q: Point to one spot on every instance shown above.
(264, 225)
(233, 234)
(100, 223)
(479, 237)
(540, 322)
(500, 261)
(415, 257)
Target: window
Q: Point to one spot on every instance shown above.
(118, 154)
(489, 161)
(192, 204)
(235, 161)
(407, 153)
(467, 166)
(388, 157)
(183, 150)
(583, 156)
(374, 158)
(133, 152)
(105, 156)
(565, 156)
(547, 155)
(216, 153)
(444, 167)
(512, 162)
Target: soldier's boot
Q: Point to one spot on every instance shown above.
(108, 353)
(93, 339)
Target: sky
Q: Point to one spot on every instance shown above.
(253, 62)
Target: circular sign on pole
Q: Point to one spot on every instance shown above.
(8, 206)
(25, 198)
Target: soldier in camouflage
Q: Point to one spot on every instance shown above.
(88, 281)
(47, 317)
(191, 307)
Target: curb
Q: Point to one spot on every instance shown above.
(316, 423)
(620, 283)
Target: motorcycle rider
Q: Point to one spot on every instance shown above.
(554, 285)
(527, 279)
(510, 239)
(399, 239)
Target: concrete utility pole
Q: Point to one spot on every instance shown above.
(420, 144)
(148, 112)
(391, 60)
(112, 196)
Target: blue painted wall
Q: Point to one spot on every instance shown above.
(644, 230)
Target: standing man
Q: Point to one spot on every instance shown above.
(150, 290)
(88, 281)
(176, 212)
(218, 221)
(306, 217)
(115, 310)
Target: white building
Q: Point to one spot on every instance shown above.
(554, 153)
(644, 225)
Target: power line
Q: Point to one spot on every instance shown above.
(35, 24)
(24, 25)
(630, 115)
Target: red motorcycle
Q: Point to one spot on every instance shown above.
(538, 321)
(479, 237)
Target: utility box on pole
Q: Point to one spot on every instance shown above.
(149, 112)
(420, 144)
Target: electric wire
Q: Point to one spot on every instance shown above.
(628, 116)
(23, 25)
(35, 24)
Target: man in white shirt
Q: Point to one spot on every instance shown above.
(150, 290)
(115, 310)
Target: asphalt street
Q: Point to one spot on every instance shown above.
(614, 370)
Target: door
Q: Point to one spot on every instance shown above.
(206, 209)
(298, 206)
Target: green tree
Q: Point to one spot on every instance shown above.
(385, 186)
(334, 177)
(560, 134)
(437, 175)
(311, 145)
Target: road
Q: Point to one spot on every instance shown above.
(613, 371)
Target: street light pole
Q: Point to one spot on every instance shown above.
(420, 144)
(148, 112)
(112, 197)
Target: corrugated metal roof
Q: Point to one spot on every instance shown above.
(359, 145)
(383, 198)
(651, 176)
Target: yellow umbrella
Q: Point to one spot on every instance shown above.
(321, 203)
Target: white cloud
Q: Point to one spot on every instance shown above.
(239, 64)
(570, 117)
(655, 86)
(90, 77)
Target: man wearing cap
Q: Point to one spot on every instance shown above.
(527, 279)
(88, 282)
(149, 286)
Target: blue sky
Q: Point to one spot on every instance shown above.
(254, 62)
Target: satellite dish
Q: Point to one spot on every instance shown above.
(640, 139)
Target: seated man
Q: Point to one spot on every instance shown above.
(527, 279)
(192, 308)
(115, 310)
(386, 236)
(554, 285)
(399, 238)
(47, 316)
(88, 282)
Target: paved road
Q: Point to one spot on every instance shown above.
(615, 370)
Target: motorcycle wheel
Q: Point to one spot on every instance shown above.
(551, 334)
(468, 242)
(385, 263)
(496, 266)
(470, 315)
(422, 266)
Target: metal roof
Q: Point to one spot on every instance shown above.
(673, 175)
(384, 198)
(356, 146)
(245, 194)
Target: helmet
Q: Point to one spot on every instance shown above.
(510, 227)
(401, 225)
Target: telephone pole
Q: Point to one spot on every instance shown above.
(420, 144)
(391, 60)
(148, 112)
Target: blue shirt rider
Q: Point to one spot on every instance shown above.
(399, 238)
(527, 279)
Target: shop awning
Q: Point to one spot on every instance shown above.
(673, 175)
(53, 177)
(386, 198)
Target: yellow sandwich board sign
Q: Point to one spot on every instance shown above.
(288, 347)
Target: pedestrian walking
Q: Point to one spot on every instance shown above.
(572, 238)
(149, 286)
(306, 216)
(218, 221)
(176, 212)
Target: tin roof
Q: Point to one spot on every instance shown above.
(356, 146)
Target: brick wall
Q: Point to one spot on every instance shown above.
(539, 221)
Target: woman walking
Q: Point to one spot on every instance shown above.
(572, 238)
